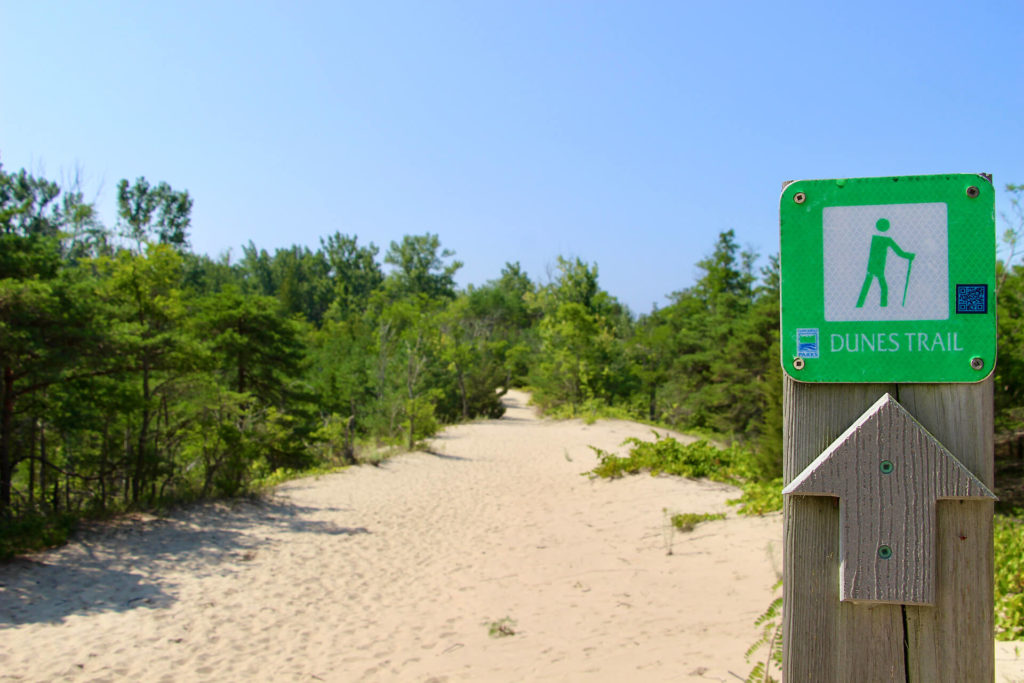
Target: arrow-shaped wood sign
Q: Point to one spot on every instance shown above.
(888, 472)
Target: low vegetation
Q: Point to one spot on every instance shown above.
(666, 455)
(766, 650)
(688, 521)
(502, 628)
(35, 532)
(734, 465)
(1009, 564)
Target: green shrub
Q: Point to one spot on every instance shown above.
(701, 459)
(1009, 579)
(666, 455)
(759, 497)
(36, 532)
(264, 479)
(590, 411)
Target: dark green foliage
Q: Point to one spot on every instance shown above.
(135, 373)
(35, 532)
(254, 348)
(582, 353)
(26, 205)
(354, 272)
(1009, 419)
(297, 277)
(153, 214)
(1009, 579)
(717, 340)
(340, 370)
(420, 268)
(1009, 371)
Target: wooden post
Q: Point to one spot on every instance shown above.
(829, 640)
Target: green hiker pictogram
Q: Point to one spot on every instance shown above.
(880, 246)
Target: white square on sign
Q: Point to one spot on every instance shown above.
(886, 262)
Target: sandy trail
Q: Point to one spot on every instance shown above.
(395, 573)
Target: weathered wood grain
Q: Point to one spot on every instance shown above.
(888, 473)
(829, 640)
(817, 627)
(952, 641)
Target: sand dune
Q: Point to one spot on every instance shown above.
(396, 573)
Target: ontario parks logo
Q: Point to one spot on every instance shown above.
(807, 342)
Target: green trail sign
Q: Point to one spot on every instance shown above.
(889, 279)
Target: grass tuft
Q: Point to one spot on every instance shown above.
(688, 521)
(502, 628)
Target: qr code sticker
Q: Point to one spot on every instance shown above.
(972, 298)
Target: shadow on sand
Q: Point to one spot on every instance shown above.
(445, 456)
(123, 565)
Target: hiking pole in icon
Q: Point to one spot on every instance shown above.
(906, 285)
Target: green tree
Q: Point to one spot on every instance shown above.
(769, 378)
(651, 351)
(257, 350)
(85, 235)
(258, 353)
(720, 337)
(1009, 371)
(414, 329)
(303, 286)
(202, 275)
(473, 351)
(1013, 227)
(153, 214)
(704, 317)
(582, 341)
(146, 291)
(420, 268)
(297, 277)
(339, 367)
(257, 271)
(43, 325)
(502, 306)
(354, 272)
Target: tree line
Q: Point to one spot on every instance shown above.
(137, 372)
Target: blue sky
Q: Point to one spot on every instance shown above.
(624, 133)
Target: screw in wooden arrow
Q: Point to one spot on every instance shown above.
(899, 507)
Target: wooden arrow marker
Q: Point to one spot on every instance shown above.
(888, 472)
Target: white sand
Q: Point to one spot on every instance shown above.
(394, 574)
